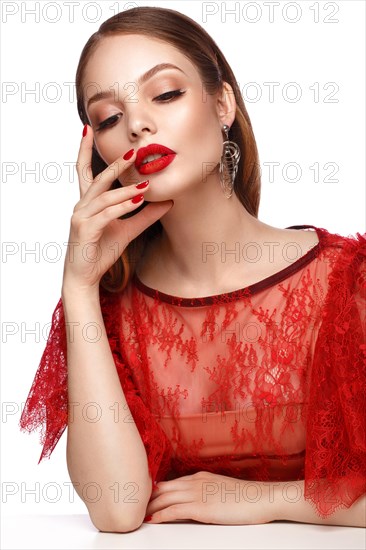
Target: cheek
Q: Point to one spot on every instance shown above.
(208, 141)
(102, 152)
(110, 147)
(197, 129)
(106, 153)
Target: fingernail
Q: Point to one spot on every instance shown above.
(138, 198)
(129, 154)
(85, 129)
(142, 185)
(148, 518)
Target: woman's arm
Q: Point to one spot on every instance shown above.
(106, 458)
(223, 500)
(292, 506)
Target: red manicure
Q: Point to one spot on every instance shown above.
(142, 185)
(147, 518)
(136, 199)
(129, 154)
(85, 129)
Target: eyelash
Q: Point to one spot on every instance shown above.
(174, 94)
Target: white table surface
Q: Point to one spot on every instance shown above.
(77, 531)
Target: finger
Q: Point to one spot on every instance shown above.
(127, 229)
(83, 163)
(168, 499)
(102, 182)
(114, 197)
(165, 487)
(174, 512)
(98, 223)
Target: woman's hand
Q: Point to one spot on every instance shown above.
(97, 237)
(212, 498)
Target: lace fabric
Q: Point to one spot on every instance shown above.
(265, 383)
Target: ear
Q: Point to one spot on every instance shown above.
(226, 105)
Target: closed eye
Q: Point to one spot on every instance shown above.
(168, 96)
(108, 122)
(164, 98)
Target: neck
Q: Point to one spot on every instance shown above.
(204, 233)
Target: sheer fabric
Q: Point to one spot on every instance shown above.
(265, 383)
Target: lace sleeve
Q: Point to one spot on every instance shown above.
(47, 403)
(335, 462)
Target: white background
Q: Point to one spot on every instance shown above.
(38, 129)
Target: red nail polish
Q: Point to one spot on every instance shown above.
(129, 154)
(136, 199)
(148, 518)
(142, 185)
(85, 129)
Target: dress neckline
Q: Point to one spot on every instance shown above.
(239, 293)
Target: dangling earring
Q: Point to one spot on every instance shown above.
(228, 164)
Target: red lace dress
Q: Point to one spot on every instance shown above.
(265, 383)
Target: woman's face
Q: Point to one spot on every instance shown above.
(143, 112)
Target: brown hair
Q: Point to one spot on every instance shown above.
(194, 42)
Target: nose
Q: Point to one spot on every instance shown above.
(140, 123)
(139, 131)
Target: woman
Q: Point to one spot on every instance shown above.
(188, 353)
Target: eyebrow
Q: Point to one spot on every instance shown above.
(106, 94)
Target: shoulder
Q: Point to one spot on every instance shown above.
(351, 245)
(303, 238)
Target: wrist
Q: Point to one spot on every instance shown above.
(288, 495)
(274, 500)
(279, 510)
(267, 495)
(71, 292)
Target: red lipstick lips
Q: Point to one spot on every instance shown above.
(154, 165)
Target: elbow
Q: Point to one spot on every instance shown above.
(109, 523)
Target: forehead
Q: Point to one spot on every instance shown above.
(124, 58)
